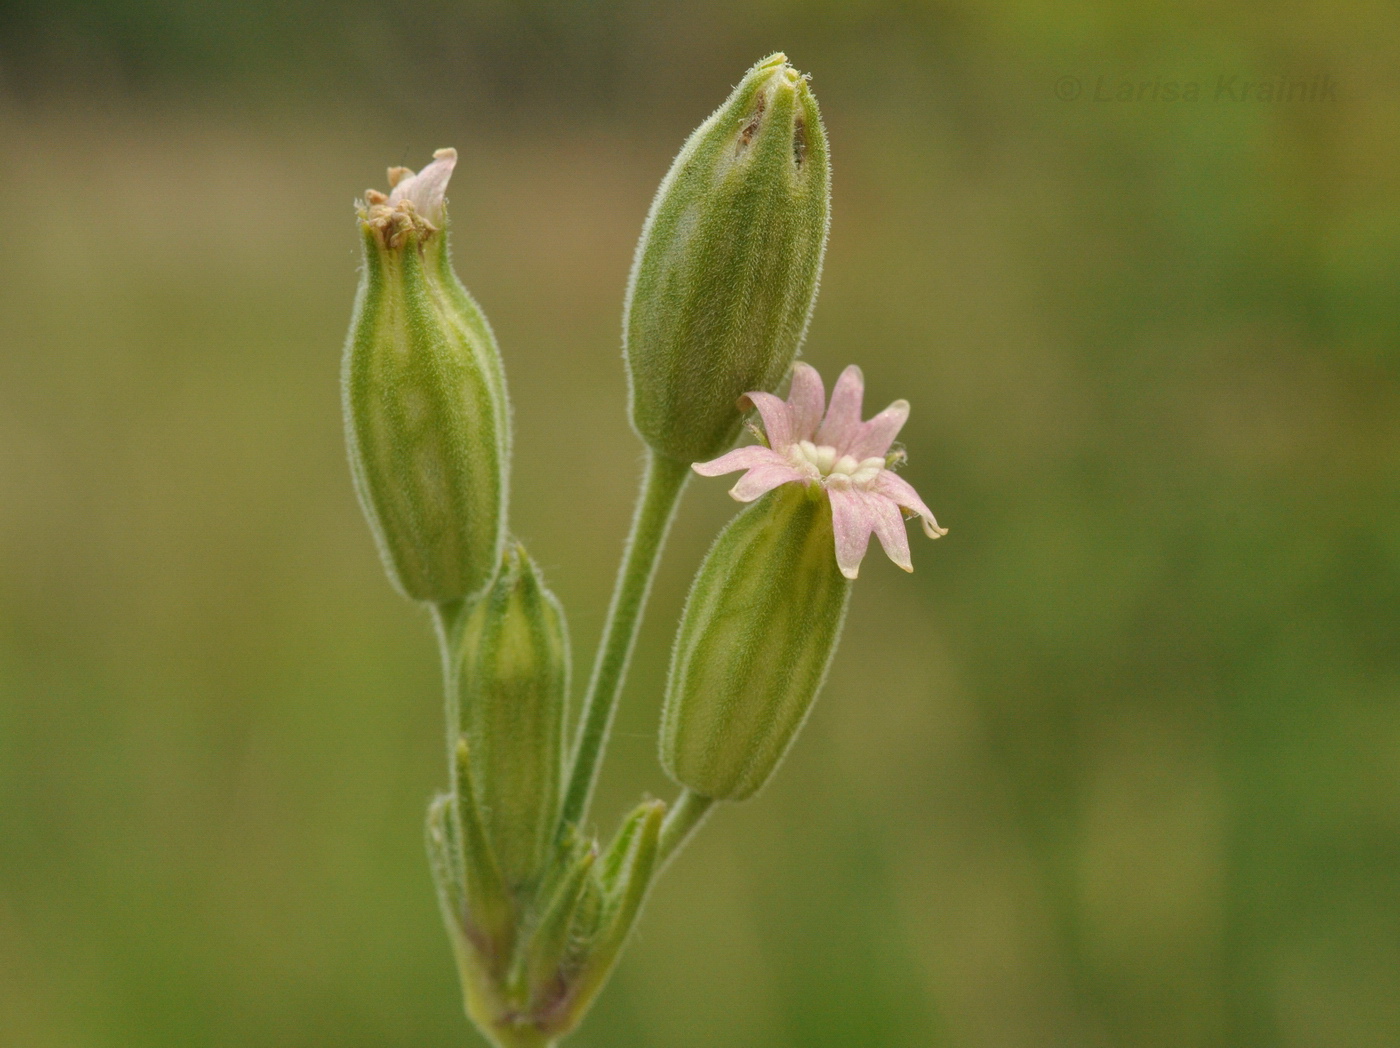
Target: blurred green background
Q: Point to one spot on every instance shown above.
(1119, 765)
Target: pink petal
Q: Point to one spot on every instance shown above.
(740, 458)
(762, 479)
(843, 414)
(896, 488)
(873, 438)
(853, 521)
(889, 529)
(428, 188)
(777, 418)
(806, 399)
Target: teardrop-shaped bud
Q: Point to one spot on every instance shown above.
(512, 693)
(726, 271)
(758, 632)
(424, 395)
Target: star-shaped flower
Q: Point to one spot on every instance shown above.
(849, 459)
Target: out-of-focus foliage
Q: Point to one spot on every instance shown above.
(1119, 765)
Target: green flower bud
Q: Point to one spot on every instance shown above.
(486, 896)
(575, 923)
(424, 393)
(606, 914)
(475, 905)
(511, 698)
(542, 964)
(759, 629)
(726, 271)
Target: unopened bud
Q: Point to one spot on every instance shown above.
(512, 692)
(621, 886)
(424, 394)
(757, 635)
(475, 906)
(726, 271)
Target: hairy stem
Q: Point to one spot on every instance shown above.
(683, 819)
(662, 484)
(448, 619)
(519, 1037)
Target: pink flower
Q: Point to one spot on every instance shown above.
(842, 454)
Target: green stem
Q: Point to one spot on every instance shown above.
(662, 485)
(448, 619)
(519, 1037)
(684, 818)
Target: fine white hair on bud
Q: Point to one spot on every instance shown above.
(758, 632)
(726, 270)
(427, 418)
(511, 696)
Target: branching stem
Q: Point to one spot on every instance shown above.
(682, 820)
(662, 484)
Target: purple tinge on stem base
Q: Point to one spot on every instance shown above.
(839, 452)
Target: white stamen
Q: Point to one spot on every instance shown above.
(867, 471)
(822, 463)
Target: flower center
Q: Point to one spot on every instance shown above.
(821, 463)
